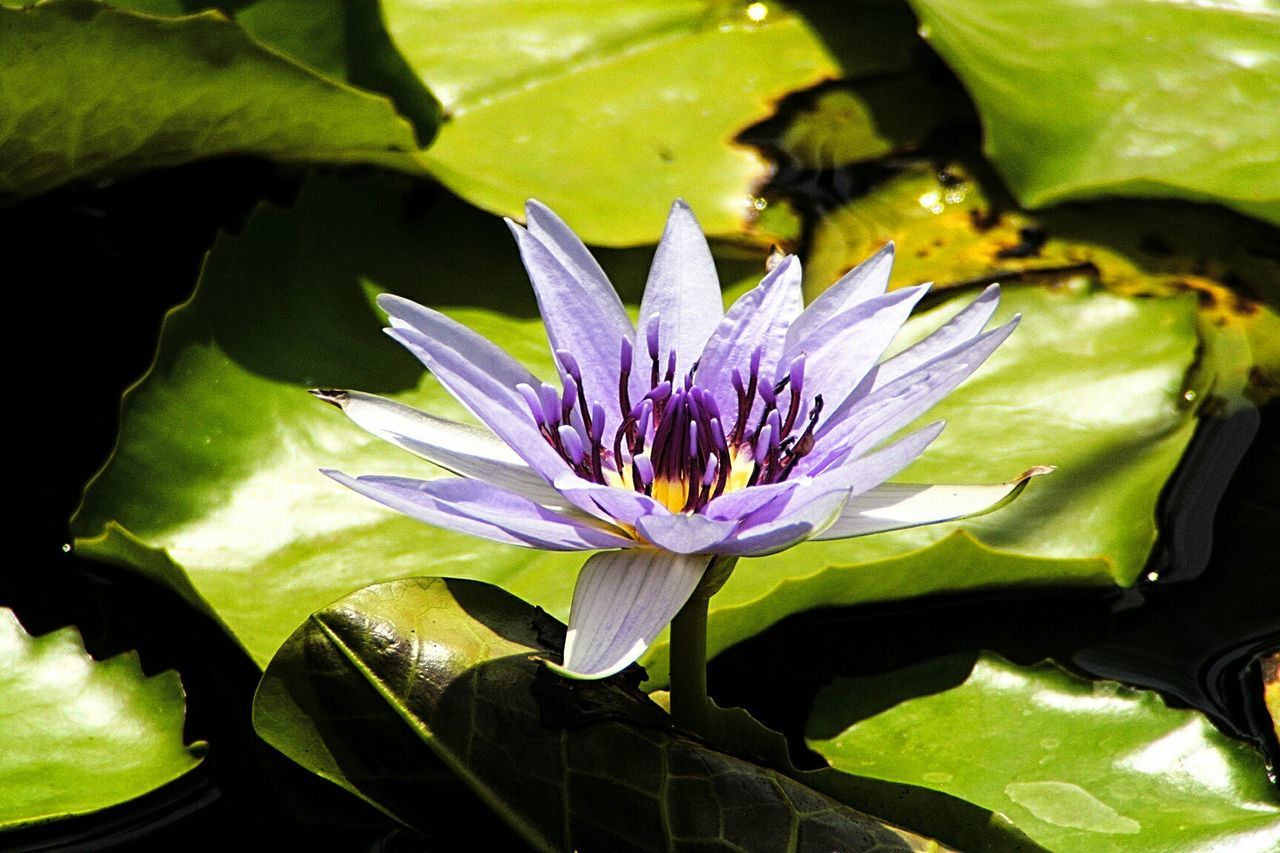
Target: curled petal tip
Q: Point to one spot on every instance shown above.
(332, 396)
(1034, 471)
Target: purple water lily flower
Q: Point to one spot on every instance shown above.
(696, 434)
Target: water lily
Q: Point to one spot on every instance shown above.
(690, 439)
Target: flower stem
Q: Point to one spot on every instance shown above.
(690, 708)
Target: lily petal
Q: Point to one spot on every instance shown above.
(579, 306)
(893, 506)
(863, 422)
(482, 509)
(467, 450)
(842, 351)
(622, 601)
(479, 374)
(609, 502)
(802, 521)
(685, 534)
(960, 328)
(759, 319)
(865, 281)
(682, 294)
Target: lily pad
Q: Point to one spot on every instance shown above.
(1082, 99)
(957, 228)
(595, 766)
(214, 489)
(1077, 765)
(79, 735)
(154, 92)
(606, 111)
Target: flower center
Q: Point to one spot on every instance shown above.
(674, 443)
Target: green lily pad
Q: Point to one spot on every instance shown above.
(153, 92)
(606, 111)
(595, 766)
(1082, 99)
(214, 490)
(79, 735)
(1077, 765)
(342, 39)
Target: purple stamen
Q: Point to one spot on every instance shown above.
(571, 443)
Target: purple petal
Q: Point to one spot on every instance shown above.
(482, 509)
(470, 451)
(865, 281)
(840, 352)
(801, 521)
(622, 601)
(960, 328)
(805, 512)
(608, 502)
(685, 534)
(479, 374)
(757, 321)
(683, 293)
(743, 502)
(863, 422)
(893, 506)
(582, 312)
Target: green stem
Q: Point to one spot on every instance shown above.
(690, 708)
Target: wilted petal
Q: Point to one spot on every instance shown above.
(863, 422)
(479, 374)
(892, 506)
(960, 328)
(622, 601)
(685, 534)
(758, 320)
(683, 293)
(581, 310)
(865, 281)
(464, 449)
(482, 509)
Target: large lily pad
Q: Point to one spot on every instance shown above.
(1077, 765)
(79, 735)
(152, 92)
(213, 488)
(455, 666)
(606, 111)
(1081, 99)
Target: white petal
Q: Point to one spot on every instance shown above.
(892, 506)
(470, 451)
(622, 601)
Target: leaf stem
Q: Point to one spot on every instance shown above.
(690, 708)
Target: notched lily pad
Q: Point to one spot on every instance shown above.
(455, 665)
(606, 111)
(78, 735)
(93, 91)
(1077, 765)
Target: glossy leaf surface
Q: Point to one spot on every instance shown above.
(1077, 765)
(606, 111)
(235, 97)
(78, 735)
(1082, 99)
(569, 765)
